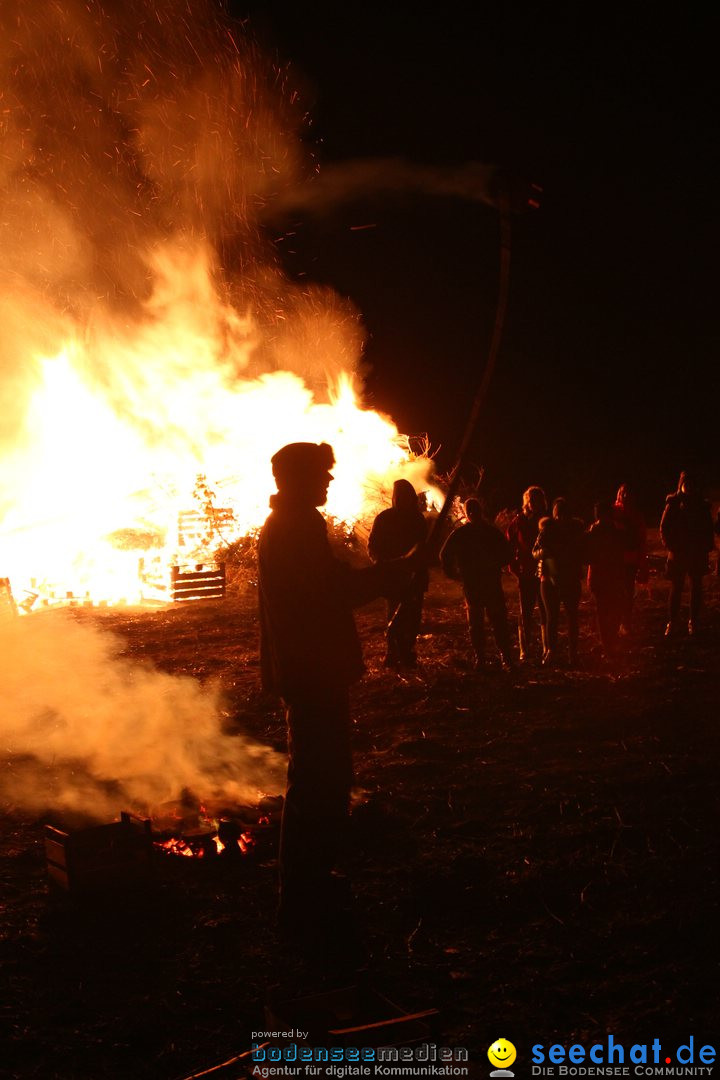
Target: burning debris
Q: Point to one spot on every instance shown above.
(180, 829)
(100, 860)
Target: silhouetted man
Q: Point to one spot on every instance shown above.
(522, 534)
(559, 550)
(631, 521)
(475, 554)
(396, 532)
(687, 533)
(606, 546)
(310, 655)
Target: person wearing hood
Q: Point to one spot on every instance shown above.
(628, 517)
(310, 655)
(395, 533)
(560, 552)
(476, 554)
(686, 530)
(606, 547)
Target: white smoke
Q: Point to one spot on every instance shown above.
(87, 730)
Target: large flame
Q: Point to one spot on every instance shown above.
(150, 336)
(101, 481)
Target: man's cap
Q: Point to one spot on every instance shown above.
(300, 459)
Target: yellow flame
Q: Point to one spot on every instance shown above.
(119, 427)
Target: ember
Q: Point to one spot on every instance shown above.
(208, 845)
(194, 835)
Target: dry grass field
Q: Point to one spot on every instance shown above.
(534, 854)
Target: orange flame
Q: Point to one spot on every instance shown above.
(133, 362)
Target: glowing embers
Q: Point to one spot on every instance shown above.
(123, 856)
(230, 840)
(181, 830)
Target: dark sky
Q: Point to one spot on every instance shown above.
(608, 362)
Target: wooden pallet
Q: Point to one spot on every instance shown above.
(197, 584)
(194, 527)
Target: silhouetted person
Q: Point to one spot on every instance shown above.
(606, 546)
(629, 518)
(310, 655)
(475, 554)
(559, 551)
(396, 532)
(686, 530)
(522, 534)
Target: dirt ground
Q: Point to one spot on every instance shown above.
(533, 854)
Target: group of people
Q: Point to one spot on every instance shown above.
(311, 654)
(548, 553)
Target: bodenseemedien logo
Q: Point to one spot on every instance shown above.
(502, 1054)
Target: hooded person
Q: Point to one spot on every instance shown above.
(686, 530)
(627, 516)
(396, 532)
(606, 546)
(310, 656)
(560, 553)
(475, 554)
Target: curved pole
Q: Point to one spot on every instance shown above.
(488, 371)
(433, 539)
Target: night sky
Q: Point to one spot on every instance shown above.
(608, 363)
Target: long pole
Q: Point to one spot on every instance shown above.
(432, 543)
(488, 371)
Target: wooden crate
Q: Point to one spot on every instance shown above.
(101, 859)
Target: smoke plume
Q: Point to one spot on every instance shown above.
(348, 181)
(103, 733)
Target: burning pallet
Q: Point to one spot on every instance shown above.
(195, 529)
(196, 533)
(197, 584)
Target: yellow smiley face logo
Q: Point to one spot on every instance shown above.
(502, 1053)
